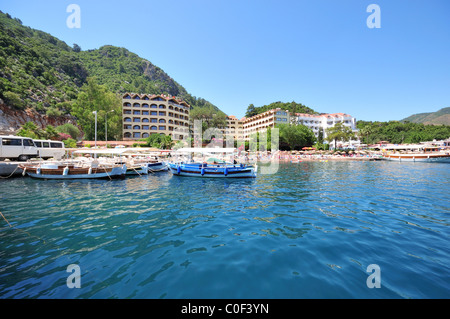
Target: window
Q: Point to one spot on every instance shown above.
(136, 135)
(127, 97)
(162, 106)
(144, 112)
(162, 113)
(145, 135)
(45, 144)
(28, 142)
(127, 127)
(136, 97)
(136, 127)
(127, 112)
(154, 120)
(136, 105)
(12, 142)
(153, 128)
(145, 127)
(162, 128)
(56, 145)
(145, 105)
(127, 119)
(136, 119)
(38, 144)
(126, 104)
(127, 135)
(136, 112)
(153, 106)
(162, 121)
(145, 120)
(153, 113)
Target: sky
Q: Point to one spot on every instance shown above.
(234, 53)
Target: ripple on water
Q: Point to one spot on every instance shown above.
(308, 231)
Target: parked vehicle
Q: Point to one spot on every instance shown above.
(48, 149)
(17, 148)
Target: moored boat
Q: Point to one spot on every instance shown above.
(73, 171)
(213, 170)
(420, 154)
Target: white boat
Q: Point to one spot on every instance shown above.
(417, 153)
(139, 161)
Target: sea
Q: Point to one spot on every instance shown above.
(326, 230)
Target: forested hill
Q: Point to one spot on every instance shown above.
(292, 107)
(40, 72)
(439, 117)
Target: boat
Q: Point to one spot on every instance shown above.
(225, 170)
(213, 167)
(139, 161)
(416, 153)
(72, 170)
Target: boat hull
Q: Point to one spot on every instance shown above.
(75, 172)
(418, 158)
(156, 167)
(212, 171)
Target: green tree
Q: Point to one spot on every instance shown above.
(70, 129)
(295, 137)
(51, 133)
(339, 132)
(14, 100)
(29, 129)
(251, 111)
(95, 97)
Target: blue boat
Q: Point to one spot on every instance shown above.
(213, 170)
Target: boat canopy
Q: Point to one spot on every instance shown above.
(116, 151)
(206, 150)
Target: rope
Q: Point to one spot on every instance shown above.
(11, 173)
(21, 229)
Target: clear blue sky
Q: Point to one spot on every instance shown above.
(237, 52)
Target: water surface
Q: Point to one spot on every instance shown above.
(308, 231)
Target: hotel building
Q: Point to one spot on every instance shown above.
(261, 122)
(323, 121)
(146, 114)
(235, 127)
(315, 122)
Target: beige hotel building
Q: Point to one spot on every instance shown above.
(146, 114)
(264, 120)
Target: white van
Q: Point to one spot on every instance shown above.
(48, 149)
(17, 148)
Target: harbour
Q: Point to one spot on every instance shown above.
(309, 231)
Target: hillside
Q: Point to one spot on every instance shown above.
(437, 118)
(290, 106)
(42, 74)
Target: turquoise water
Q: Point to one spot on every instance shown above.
(308, 231)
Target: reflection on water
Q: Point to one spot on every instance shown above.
(308, 231)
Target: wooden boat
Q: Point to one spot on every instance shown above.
(72, 171)
(213, 170)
